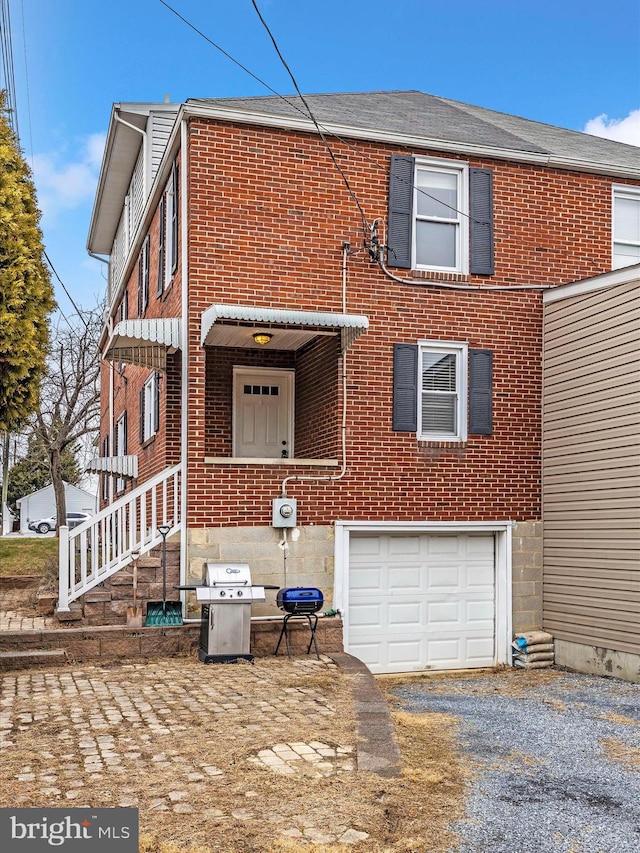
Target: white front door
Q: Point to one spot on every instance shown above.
(420, 601)
(262, 413)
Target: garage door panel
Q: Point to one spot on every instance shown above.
(405, 579)
(442, 545)
(477, 612)
(365, 615)
(444, 653)
(403, 651)
(402, 546)
(435, 612)
(477, 576)
(444, 614)
(405, 616)
(366, 578)
(365, 546)
(479, 651)
(443, 577)
(369, 653)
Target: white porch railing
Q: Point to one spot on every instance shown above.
(101, 546)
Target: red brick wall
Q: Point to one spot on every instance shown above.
(163, 449)
(315, 365)
(268, 217)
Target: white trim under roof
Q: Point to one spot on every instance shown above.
(291, 329)
(124, 466)
(145, 342)
(624, 275)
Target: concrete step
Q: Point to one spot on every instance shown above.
(36, 657)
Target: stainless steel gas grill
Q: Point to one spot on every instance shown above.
(300, 601)
(226, 597)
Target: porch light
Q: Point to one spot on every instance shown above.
(262, 338)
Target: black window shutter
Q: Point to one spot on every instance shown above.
(400, 222)
(156, 412)
(145, 273)
(405, 388)
(141, 423)
(140, 285)
(481, 221)
(480, 392)
(124, 429)
(160, 284)
(174, 219)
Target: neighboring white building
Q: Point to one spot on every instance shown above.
(42, 503)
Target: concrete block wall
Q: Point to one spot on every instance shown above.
(309, 560)
(527, 576)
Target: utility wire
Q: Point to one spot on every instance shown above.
(69, 297)
(365, 224)
(307, 114)
(26, 80)
(321, 128)
(6, 46)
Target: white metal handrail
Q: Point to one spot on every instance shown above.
(104, 544)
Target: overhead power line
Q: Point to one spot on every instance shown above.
(324, 131)
(8, 77)
(62, 284)
(356, 201)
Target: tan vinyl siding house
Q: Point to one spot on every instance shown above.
(591, 472)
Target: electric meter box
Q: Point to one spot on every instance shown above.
(285, 512)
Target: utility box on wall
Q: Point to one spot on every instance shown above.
(285, 512)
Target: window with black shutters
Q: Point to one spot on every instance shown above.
(442, 391)
(440, 216)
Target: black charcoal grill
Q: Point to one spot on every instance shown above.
(303, 601)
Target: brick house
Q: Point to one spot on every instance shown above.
(347, 315)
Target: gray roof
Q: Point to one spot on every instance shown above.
(417, 115)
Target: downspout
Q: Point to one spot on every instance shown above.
(143, 133)
(184, 268)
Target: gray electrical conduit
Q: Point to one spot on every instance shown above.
(425, 282)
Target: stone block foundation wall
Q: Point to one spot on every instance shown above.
(527, 576)
(309, 560)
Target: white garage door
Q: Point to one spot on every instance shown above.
(421, 601)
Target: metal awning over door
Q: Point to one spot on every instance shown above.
(145, 342)
(235, 325)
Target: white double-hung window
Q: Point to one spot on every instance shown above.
(442, 391)
(441, 216)
(150, 407)
(626, 226)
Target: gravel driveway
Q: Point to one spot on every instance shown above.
(556, 759)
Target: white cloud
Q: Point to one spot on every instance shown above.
(619, 129)
(64, 184)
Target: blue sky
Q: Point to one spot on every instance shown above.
(573, 64)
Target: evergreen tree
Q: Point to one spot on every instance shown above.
(26, 294)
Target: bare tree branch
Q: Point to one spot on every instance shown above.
(69, 407)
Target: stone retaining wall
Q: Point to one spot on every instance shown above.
(111, 643)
